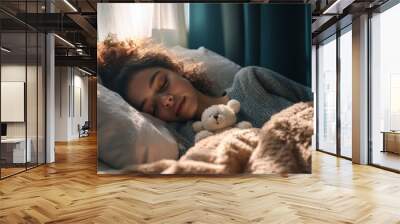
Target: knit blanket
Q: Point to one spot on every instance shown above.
(282, 146)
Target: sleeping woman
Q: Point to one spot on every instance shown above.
(155, 81)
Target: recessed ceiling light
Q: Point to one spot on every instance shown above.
(5, 50)
(70, 5)
(64, 40)
(338, 6)
(86, 72)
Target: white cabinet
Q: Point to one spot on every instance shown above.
(16, 149)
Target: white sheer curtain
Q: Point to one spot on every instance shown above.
(164, 22)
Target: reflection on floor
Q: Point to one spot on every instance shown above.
(386, 159)
(11, 169)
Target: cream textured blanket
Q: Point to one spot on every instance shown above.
(282, 145)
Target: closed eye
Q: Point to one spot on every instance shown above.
(164, 85)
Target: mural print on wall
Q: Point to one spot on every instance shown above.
(204, 88)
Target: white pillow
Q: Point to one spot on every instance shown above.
(127, 136)
(219, 69)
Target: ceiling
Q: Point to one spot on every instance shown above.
(73, 20)
(76, 22)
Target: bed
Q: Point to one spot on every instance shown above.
(131, 141)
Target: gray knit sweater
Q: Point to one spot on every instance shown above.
(261, 93)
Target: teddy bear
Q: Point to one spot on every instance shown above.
(218, 118)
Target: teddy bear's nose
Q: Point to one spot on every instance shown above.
(215, 116)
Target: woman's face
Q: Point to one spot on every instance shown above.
(163, 94)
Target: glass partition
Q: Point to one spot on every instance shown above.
(23, 91)
(346, 92)
(385, 89)
(32, 95)
(14, 151)
(327, 95)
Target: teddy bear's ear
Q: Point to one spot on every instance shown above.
(197, 126)
(234, 105)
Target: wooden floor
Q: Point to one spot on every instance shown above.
(70, 191)
(10, 171)
(387, 159)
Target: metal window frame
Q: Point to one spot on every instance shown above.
(381, 9)
(387, 5)
(339, 32)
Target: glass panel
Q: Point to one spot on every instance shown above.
(31, 86)
(327, 96)
(314, 84)
(23, 88)
(13, 87)
(346, 94)
(32, 95)
(385, 84)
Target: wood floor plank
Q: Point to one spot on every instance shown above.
(70, 191)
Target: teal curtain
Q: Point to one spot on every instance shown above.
(274, 36)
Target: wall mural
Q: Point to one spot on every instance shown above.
(207, 89)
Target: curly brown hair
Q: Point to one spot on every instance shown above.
(119, 60)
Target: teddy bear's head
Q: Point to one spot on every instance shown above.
(218, 116)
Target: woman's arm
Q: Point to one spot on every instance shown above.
(279, 85)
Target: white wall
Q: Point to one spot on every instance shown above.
(12, 73)
(13, 100)
(70, 83)
(79, 103)
(61, 103)
(9, 73)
